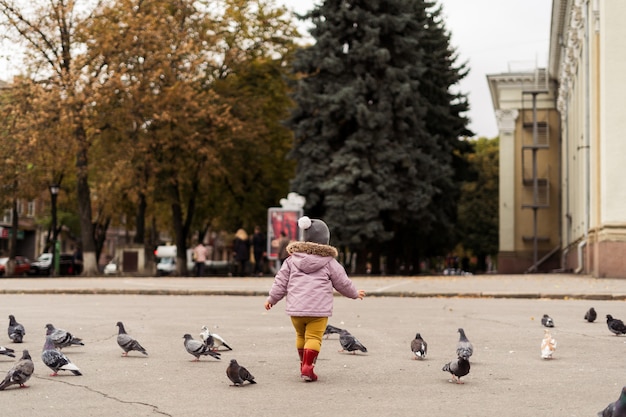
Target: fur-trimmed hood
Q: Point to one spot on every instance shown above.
(312, 249)
(310, 257)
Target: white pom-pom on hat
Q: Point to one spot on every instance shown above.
(304, 222)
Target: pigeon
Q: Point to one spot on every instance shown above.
(548, 345)
(615, 326)
(16, 331)
(56, 360)
(350, 343)
(591, 315)
(464, 348)
(7, 351)
(331, 330)
(198, 348)
(419, 347)
(458, 369)
(617, 408)
(213, 340)
(61, 338)
(126, 342)
(238, 374)
(547, 321)
(20, 372)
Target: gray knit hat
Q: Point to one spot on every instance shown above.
(315, 230)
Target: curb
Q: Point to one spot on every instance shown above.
(254, 293)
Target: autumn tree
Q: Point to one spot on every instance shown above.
(167, 105)
(50, 33)
(478, 205)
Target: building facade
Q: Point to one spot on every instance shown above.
(585, 92)
(528, 126)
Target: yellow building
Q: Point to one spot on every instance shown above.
(577, 168)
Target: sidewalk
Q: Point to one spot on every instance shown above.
(554, 286)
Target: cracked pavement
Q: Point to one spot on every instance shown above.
(507, 377)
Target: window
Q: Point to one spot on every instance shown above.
(30, 210)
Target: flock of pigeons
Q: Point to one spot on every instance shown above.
(615, 326)
(57, 339)
(461, 366)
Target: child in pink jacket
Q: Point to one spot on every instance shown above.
(307, 278)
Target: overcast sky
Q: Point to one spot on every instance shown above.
(492, 36)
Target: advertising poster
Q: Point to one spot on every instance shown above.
(278, 220)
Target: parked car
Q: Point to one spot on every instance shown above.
(21, 267)
(67, 266)
(41, 266)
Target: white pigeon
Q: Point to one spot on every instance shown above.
(213, 340)
(548, 345)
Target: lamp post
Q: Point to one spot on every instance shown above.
(54, 192)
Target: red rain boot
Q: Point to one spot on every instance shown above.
(308, 363)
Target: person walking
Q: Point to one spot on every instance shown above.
(200, 254)
(307, 278)
(282, 248)
(241, 251)
(259, 244)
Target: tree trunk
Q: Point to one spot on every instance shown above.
(90, 264)
(140, 220)
(361, 262)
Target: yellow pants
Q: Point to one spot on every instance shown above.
(309, 331)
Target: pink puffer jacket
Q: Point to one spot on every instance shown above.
(307, 278)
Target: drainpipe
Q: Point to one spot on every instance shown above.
(581, 262)
(587, 144)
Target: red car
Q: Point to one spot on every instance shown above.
(22, 266)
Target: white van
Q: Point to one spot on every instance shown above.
(166, 256)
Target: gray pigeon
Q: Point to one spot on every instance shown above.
(591, 315)
(331, 330)
(238, 374)
(419, 347)
(464, 348)
(198, 348)
(7, 351)
(16, 330)
(617, 408)
(547, 321)
(20, 372)
(616, 326)
(56, 360)
(350, 343)
(61, 338)
(457, 369)
(126, 342)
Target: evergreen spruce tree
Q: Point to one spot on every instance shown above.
(436, 232)
(366, 161)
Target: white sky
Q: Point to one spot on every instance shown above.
(491, 36)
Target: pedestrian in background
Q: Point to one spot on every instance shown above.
(259, 244)
(241, 251)
(306, 279)
(200, 254)
(282, 248)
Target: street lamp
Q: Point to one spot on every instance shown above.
(54, 192)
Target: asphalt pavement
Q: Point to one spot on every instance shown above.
(500, 314)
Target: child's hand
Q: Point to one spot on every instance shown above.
(268, 305)
(361, 294)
